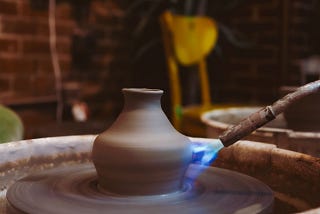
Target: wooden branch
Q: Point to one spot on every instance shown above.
(263, 116)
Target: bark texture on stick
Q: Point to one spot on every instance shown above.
(263, 116)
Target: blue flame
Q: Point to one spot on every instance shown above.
(205, 151)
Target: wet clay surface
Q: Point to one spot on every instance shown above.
(22, 158)
(293, 177)
(74, 189)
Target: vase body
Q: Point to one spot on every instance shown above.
(141, 153)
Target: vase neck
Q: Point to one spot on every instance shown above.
(135, 98)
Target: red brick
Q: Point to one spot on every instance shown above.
(106, 12)
(35, 46)
(65, 66)
(260, 26)
(268, 69)
(269, 12)
(34, 85)
(269, 38)
(243, 13)
(26, 10)
(42, 29)
(64, 11)
(44, 84)
(237, 67)
(63, 46)
(8, 45)
(4, 84)
(17, 65)
(43, 47)
(34, 26)
(257, 53)
(44, 66)
(19, 26)
(23, 84)
(8, 8)
(65, 27)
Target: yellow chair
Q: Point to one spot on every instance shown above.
(187, 41)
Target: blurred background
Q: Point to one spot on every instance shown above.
(63, 63)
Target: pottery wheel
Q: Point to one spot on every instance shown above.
(67, 190)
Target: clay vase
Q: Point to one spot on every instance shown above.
(141, 153)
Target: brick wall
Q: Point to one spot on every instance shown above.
(25, 63)
(25, 60)
(277, 31)
(27, 82)
(301, 39)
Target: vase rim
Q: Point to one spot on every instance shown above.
(143, 90)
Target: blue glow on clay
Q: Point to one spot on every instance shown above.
(204, 153)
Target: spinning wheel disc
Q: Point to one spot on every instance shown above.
(68, 190)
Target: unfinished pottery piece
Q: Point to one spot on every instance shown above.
(30, 157)
(142, 166)
(141, 153)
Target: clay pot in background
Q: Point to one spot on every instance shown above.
(303, 115)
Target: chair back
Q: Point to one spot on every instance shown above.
(187, 41)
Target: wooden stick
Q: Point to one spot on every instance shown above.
(263, 116)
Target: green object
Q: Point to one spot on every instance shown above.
(178, 110)
(11, 127)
